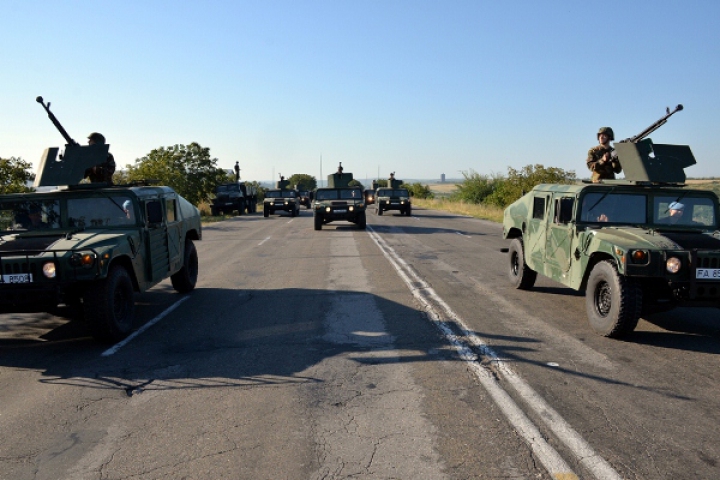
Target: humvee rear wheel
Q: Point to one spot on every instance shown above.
(613, 301)
(318, 222)
(109, 306)
(266, 211)
(185, 279)
(521, 276)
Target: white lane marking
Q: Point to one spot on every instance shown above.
(462, 234)
(118, 346)
(548, 456)
(268, 238)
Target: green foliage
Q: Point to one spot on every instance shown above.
(501, 191)
(355, 183)
(419, 190)
(14, 175)
(303, 181)
(382, 183)
(188, 169)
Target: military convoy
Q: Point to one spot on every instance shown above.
(92, 246)
(635, 246)
(339, 201)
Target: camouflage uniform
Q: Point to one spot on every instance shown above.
(102, 172)
(599, 170)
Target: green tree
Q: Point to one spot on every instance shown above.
(355, 183)
(14, 175)
(188, 169)
(475, 188)
(303, 181)
(519, 182)
(419, 190)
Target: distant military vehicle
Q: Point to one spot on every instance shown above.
(305, 198)
(281, 199)
(91, 246)
(229, 197)
(635, 246)
(339, 201)
(393, 197)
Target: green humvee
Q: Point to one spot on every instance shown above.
(622, 241)
(339, 203)
(393, 199)
(91, 246)
(283, 200)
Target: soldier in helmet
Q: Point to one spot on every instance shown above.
(600, 160)
(102, 172)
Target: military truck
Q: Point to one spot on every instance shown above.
(92, 246)
(339, 201)
(623, 242)
(229, 197)
(281, 198)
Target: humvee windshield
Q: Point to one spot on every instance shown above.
(346, 194)
(389, 192)
(26, 215)
(280, 194)
(631, 209)
(228, 188)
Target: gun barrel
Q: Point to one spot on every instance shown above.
(55, 122)
(653, 127)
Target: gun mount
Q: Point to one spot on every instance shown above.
(339, 178)
(644, 161)
(69, 167)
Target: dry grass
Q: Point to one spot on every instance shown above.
(485, 212)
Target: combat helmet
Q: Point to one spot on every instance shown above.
(607, 131)
(97, 138)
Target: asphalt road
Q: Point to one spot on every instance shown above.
(399, 352)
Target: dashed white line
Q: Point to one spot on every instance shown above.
(266, 239)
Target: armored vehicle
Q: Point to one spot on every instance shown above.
(91, 248)
(393, 199)
(339, 201)
(635, 246)
(229, 197)
(281, 200)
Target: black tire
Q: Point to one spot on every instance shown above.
(186, 278)
(362, 221)
(266, 211)
(294, 212)
(613, 302)
(379, 210)
(318, 222)
(214, 211)
(521, 276)
(408, 211)
(241, 208)
(109, 306)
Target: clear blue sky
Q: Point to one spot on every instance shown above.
(416, 87)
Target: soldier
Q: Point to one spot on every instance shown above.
(600, 160)
(237, 171)
(102, 172)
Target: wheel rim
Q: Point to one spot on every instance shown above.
(514, 264)
(120, 306)
(603, 299)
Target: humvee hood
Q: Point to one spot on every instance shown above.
(88, 240)
(643, 238)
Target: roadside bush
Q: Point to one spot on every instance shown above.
(419, 190)
(475, 188)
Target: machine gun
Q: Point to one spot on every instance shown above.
(55, 121)
(67, 168)
(644, 161)
(652, 127)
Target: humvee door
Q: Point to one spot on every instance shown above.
(558, 246)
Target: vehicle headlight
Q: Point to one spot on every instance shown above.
(673, 265)
(351, 208)
(361, 205)
(328, 209)
(82, 259)
(49, 270)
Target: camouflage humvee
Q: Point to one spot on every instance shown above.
(393, 199)
(622, 241)
(282, 200)
(91, 247)
(339, 201)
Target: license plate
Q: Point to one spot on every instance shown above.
(341, 210)
(17, 278)
(707, 273)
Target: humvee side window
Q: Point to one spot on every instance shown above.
(154, 211)
(563, 209)
(538, 208)
(170, 209)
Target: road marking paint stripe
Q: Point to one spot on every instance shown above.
(118, 346)
(268, 238)
(583, 452)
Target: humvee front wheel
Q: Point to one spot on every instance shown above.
(266, 211)
(362, 221)
(378, 210)
(613, 301)
(186, 278)
(521, 276)
(318, 222)
(109, 306)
